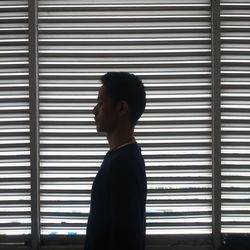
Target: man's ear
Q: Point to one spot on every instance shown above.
(123, 108)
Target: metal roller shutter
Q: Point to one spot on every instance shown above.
(168, 45)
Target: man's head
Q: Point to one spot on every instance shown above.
(124, 95)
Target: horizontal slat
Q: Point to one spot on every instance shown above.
(123, 30)
(101, 19)
(121, 52)
(14, 19)
(124, 7)
(13, 8)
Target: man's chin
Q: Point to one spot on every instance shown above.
(100, 130)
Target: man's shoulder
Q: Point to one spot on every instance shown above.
(126, 159)
(129, 153)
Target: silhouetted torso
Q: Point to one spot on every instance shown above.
(117, 213)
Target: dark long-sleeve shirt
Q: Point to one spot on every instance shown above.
(117, 212)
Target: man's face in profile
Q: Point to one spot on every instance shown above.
(106, 114)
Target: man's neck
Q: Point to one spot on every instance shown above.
(120, 137)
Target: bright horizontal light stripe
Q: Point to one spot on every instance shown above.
(59, 63)
(6, 186)
(13, 52)
(206, 28)
(176, 230)
(14, 232)
(123, 51)
(21, 18)
(111, 40)
(122, 5)
(41, 18)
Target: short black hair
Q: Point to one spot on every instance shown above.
(124, 86)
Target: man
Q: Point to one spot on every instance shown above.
(117, 212)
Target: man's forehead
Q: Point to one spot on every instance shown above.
(102, 92)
